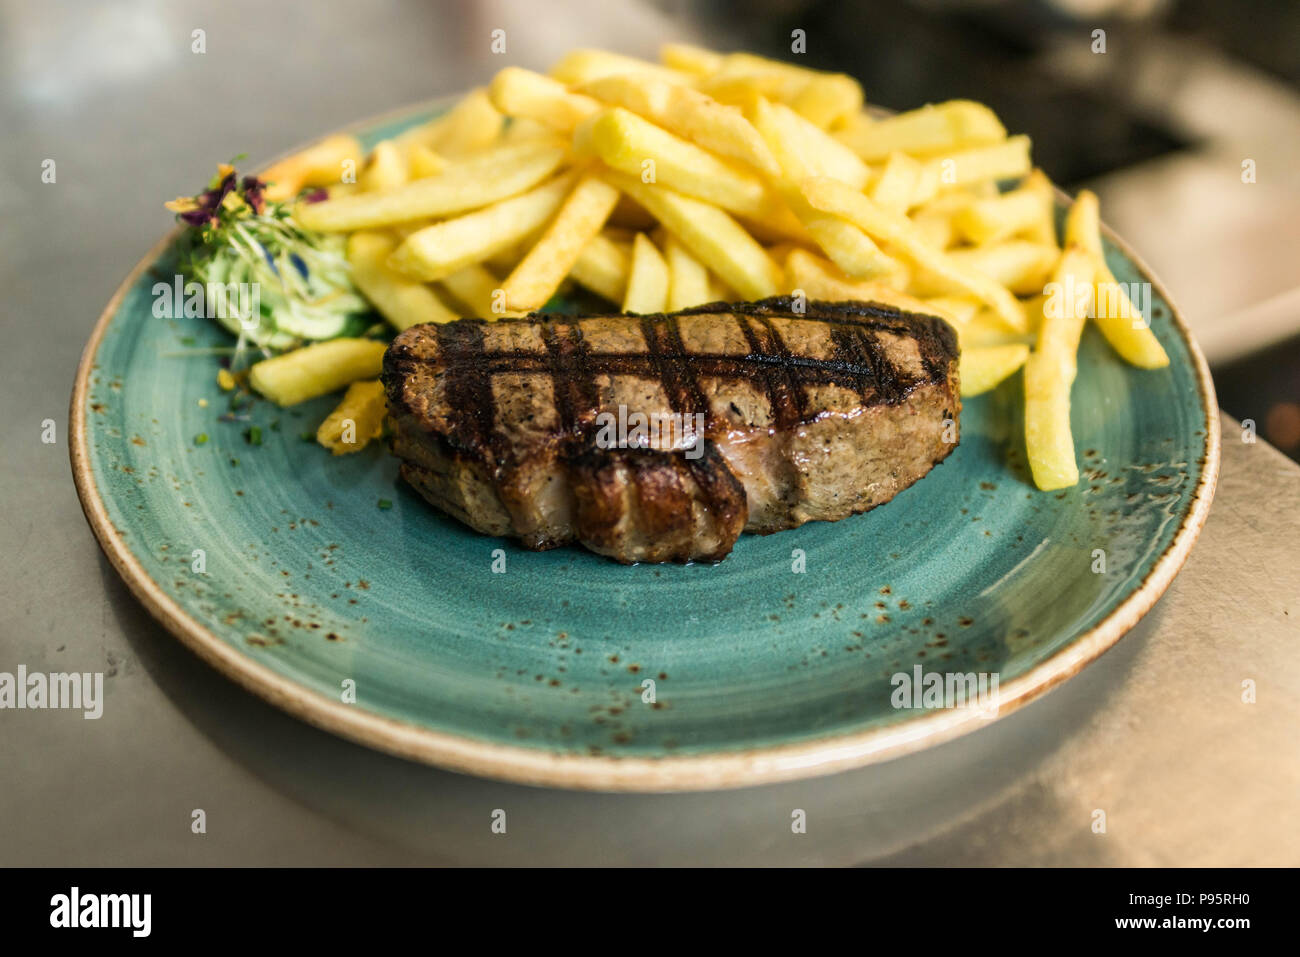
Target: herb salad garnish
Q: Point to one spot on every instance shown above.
(303, 282)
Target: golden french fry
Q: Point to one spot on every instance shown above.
(423, 161)
(581, 66)
(476, 182)
(958, 308)
(937, 128)
(982, 369)
(1022, 210)
(817, 278)
(710, 234)
(1122, 323)
(897, 183)
(934, 228)
(470, 126)
(803, 149)
(1021, 266)
(688, 279)
(828, 99)
(522, 93)
(851, 249)
(1050, 372)
(981, 164)
(719, 291)
(648, 281)
(401, 301)
(478, 289)
(632, 145)
(838, 199)
(356, 420)
(322, 164)
(475, 287)
(743, 89)
(603, 267)
(848, 246)
(443, 248)
(984, 329)
(317, 369)
(584, 212)
(521, 129)
(688, 113)
(386, 169)
(825, 99)
(693, 60)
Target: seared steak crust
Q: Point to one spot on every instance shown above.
(806, 415)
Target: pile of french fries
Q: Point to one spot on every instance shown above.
(708, 177)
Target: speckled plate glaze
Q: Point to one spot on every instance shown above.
(537, 674)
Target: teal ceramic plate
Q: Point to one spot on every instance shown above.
(774, 664)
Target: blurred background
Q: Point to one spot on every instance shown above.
(1159, 112)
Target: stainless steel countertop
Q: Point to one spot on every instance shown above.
(1155, 733)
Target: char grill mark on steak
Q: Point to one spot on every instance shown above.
(866, 371)
(505, 413)
(469, 393)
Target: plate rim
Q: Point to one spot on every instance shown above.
(718, 770)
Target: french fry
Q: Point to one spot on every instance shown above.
(443, 248)
(632, 145)
(828, 99)
(938, 128)
(1051, 369)
(584, 212)
(742, 89)
(688, 113)
(521, 129)
(817, 278)
(317, 369)
(648, 281)
(848, 246)
(322, 164)
(581, 66)
(356, 420)
(719, 291)
(824, 99)
(485, 179)
(934, 228)
(851, 249)
(982, 369)
(522, 93)
(897, 183)
(960, 309)
(401, 301)
(423, 161)
(603, 267)
(1021, 266)
(475, 287)
(690, 59)
(984, 329)
(1022, 210)
(1119, 320)
(710, 234)
(688, 279)
(386, 169)
(803, 149)
(1006, 160)
(469, 127)
(838, 199)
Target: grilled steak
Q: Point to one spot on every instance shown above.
(767, 418)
